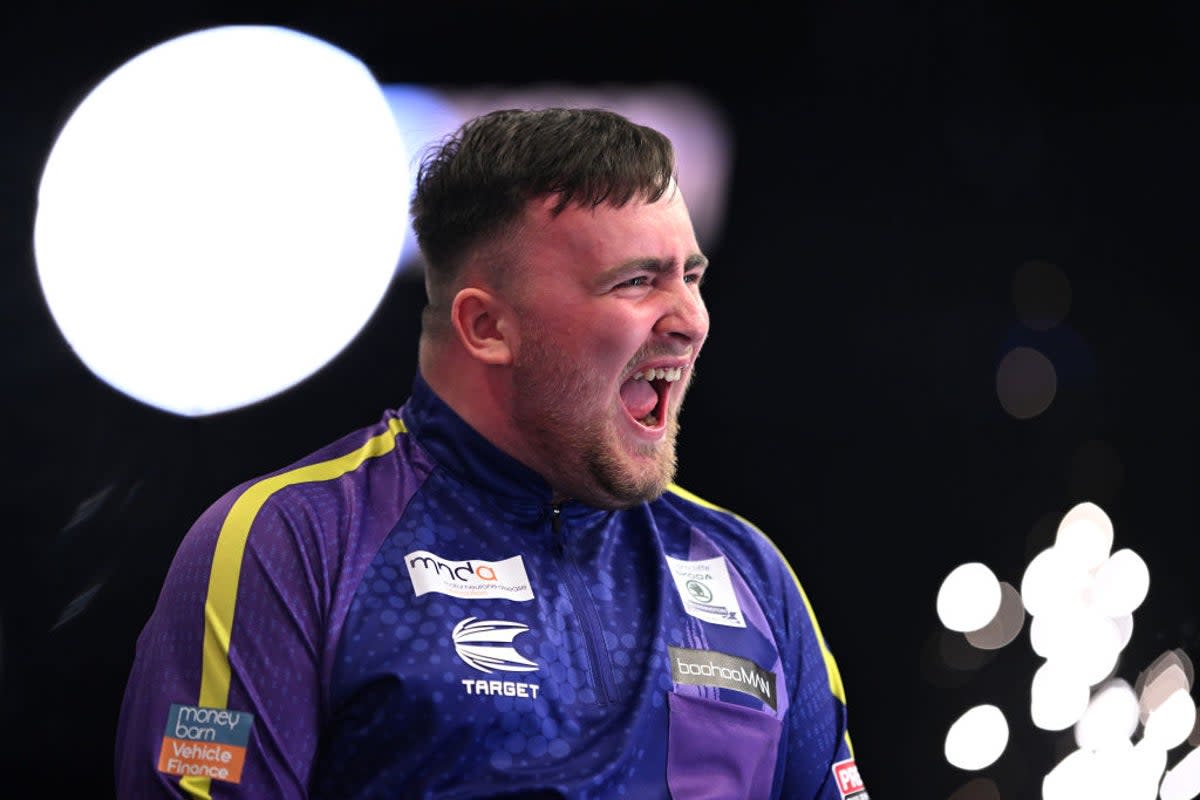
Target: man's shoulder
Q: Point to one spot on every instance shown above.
(362, 447)
(727, 529)
(361, 477)
(697, 507)
(355, 457)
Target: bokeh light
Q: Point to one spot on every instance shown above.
(1078, 640)
(1182, 781)
(220, 216)
(1058, 696)
(1111, 718)
(423, 116)
(1026, 382)
(1041, 294)
(1085, 535)
(1121, 584)
(977, 738)
(1005, 626)
(1122, 772)
(1081, 597)
(968, 597)
(1053, 581)
(978, 788)
(1166, 675)
(1169, 724)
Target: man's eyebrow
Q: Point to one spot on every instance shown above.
(655, 265)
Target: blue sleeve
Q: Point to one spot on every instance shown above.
(818, 758)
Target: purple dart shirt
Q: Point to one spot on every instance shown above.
(406, 614)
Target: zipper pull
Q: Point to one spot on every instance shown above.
(556, 528)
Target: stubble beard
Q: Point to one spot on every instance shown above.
(564, 413)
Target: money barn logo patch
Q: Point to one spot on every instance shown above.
(205, 742)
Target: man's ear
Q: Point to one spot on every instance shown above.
(479, 321)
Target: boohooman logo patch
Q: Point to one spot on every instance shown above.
(713, 668)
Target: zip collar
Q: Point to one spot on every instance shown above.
(462, 450)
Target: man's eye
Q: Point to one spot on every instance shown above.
(640, 280)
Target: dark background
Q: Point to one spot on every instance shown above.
(896, 164)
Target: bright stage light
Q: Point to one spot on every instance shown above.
(1058, 697)
(1169, 724)
(977, 738)
(1111, 717)
(969, 597)
(221, 215)
(1086, 535)
(1182, 782)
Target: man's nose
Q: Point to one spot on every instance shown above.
(685, 315)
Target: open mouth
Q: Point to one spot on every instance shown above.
(645, 394)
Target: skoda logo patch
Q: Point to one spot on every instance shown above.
(699, 591)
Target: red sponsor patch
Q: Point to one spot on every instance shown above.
(849, 782)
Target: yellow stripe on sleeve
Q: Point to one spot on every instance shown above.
(221, 600)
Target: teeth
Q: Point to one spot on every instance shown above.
(668, 375)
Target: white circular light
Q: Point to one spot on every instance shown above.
(1093, 647)
(220, 216)
(1072, 778)
(1053, 580)
(1121, 584)
(1078, 638)
(1182, 782)
(1058, 697)
(977, 738)
(1005, 626)
(1170, 723)
(1086, 534)
(1124, 625)
(1111, 717)
(1160, 681)
(969, 597)
(1119, 772)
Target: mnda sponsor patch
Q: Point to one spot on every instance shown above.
(470, 580)
(205, 742)
(714, 668)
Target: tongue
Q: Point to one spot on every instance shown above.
(639, 398)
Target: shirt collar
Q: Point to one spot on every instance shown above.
(456, 446)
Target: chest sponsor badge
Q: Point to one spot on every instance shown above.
(205, 742)
(849, 782)
(706, 591)
(470, 580)
(713, 668)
